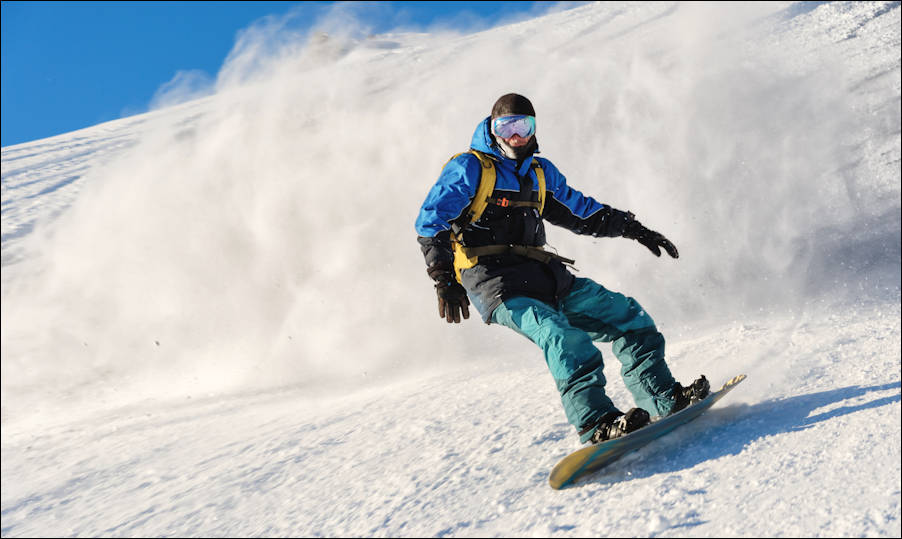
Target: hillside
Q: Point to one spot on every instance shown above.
(216, 320)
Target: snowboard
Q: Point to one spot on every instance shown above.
(595, 457)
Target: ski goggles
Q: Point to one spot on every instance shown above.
(508, 126)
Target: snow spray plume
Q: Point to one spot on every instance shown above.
(754, 164)
(185, 86)
(264, 237)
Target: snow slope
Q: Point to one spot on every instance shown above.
(216, 322)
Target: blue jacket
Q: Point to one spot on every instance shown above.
(496, 278)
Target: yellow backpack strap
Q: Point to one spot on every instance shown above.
(540, 175)
(484, 191)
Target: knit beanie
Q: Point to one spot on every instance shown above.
(510, 104)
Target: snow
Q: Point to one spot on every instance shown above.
(216, 320)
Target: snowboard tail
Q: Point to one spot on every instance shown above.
(595, 457)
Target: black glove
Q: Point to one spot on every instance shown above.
(649, 238)
(452, 297)
(452, 301)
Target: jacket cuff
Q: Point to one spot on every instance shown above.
(440, 272)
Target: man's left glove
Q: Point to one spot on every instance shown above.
(452, 297)
(649, 238)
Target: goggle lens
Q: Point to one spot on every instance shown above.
(508, 126)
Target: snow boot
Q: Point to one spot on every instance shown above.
(616, 424)
(690, 394)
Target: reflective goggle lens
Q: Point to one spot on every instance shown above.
(508, 126)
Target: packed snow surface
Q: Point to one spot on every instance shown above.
(216, 319)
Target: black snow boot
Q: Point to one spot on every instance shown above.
(690, 394)
(616, 424)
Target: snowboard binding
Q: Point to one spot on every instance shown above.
(616, 424)
(694, 392)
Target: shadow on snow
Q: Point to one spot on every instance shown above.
(728, 430)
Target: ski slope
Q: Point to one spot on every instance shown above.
(216, 319)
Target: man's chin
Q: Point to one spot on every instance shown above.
(515, 152)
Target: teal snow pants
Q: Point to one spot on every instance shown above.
(590, 313)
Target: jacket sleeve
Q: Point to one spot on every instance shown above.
(445, 203)
(570, 209)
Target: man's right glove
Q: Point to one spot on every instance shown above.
(452, 297)
(649, 238)
(452, 301)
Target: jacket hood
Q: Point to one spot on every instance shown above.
(484, 141)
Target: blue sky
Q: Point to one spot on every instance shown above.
(70, 65)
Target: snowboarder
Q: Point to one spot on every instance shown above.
(488, 249)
